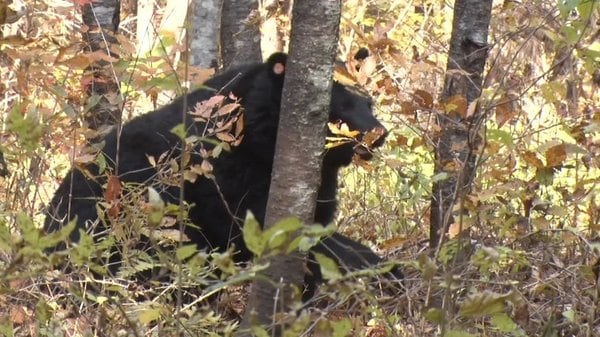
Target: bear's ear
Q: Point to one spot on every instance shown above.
(361, 54)
(276, 64)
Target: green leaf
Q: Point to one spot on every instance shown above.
(440, 177)
(81, 253)
(6, 238)
(253, 236)
(280, 232)
(288, 225)
(186, 251)
(312, 235)
(570, 315)
(101, 299)
(545, 175)
(459, 333)
(54, 238)
(91, 102)
(341, 328)
(29, 232)
(169, 82)
(101, 162)
(328, 267)
(427, 266)
(26, 127)
(43, 311)
(504, 323)
(179, 131)
(435, 315)
(6, 329)
(501, 136)
(148, 315)
(259, 331)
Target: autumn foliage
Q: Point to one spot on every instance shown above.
(532, 217)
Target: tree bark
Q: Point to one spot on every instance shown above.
(204, 35)
(3, 167)
(458, 140)
(102, 20)
(240, 32)
(300, 142)
(273, 31)
(145, 33)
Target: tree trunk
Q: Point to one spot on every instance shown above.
(458, 140)
(240, 32)
(3, 167)
(145, 33)
(204, 35)
(273, 31)
(300, 142)
(102, 20)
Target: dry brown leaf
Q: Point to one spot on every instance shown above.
(456, 105)
(423, 99)
(504, 111)
(532, 159)
(556, 155)
(408, 108)
(112, 194)
(225, 136)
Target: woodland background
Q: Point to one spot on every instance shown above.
(532, 216)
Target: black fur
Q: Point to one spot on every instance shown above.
(243, 175)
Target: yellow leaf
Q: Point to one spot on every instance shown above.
(342, 130)
(342, 76)
(148, 315)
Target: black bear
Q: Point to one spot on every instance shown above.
(241, 176)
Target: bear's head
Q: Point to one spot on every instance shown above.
(349, 106)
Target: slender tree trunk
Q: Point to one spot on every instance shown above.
(458, 140)
(204, 33)
(144, 31)
(300, 142)
(102, 21)
(240, 32)
(273, 31)
(3, 167)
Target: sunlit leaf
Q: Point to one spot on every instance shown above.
(148, 315)
(179, 131)
(504, 323)
(281, 232)
(459, 333)
(342, 130)
(186, 251)
(253, 236)
(329, 267)
(435, 315)
(341, 328)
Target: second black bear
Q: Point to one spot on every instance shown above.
(241, 176)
